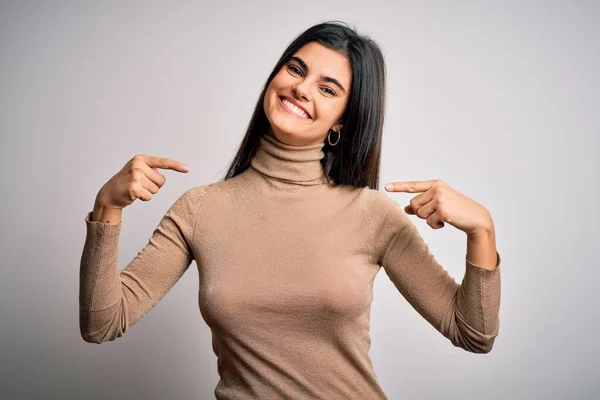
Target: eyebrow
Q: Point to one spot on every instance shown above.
(323, 77)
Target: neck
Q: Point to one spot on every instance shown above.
(299, 165)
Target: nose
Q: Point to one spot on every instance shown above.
(300, 91)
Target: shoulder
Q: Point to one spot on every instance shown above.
(189, 201)
(214, 194)
(195, 193)
(380, 209)
(388, 220)
(378, 202)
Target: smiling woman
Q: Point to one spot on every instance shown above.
(288, 244)
(328, 87)
(308, 93)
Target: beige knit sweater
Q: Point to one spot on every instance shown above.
(286, 265)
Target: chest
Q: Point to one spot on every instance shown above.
(295, 265)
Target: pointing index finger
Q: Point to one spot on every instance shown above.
(409, 186)
(166, 163)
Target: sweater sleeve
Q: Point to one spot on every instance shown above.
(110, 300)
(466, 314)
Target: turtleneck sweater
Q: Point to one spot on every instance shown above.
(286, 262)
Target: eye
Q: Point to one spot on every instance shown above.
(329, 91)
(294, 69)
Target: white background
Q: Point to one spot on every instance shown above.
(499, 99)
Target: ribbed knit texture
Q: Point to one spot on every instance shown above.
(286, 264)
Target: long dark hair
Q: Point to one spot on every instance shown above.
(355, 159)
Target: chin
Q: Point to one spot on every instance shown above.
(287, 134)
(294, 138)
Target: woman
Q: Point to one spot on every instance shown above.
(288, 244)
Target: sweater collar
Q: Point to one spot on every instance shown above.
(300, 165)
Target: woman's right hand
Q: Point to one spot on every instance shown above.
(138, 179)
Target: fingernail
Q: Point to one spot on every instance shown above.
(185, 168)
(389, 186)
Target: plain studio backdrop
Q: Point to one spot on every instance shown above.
(501, 100)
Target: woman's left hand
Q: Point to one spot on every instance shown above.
(439, 203)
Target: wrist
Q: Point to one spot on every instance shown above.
(106, 214)
(101, 200)
(484, 228)
(482, 231)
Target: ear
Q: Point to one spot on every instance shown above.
(338, 127)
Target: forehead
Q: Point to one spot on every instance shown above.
(324, 61)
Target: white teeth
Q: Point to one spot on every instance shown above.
(295, 109)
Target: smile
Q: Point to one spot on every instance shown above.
(292, 109)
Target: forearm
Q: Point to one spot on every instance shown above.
(104, 213)
(478, 300)
(481, 248)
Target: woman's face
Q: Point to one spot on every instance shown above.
(318, 81)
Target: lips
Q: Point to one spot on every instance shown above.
(294, 102)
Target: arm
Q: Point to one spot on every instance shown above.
(466, 314)
(105, 214)
(110, 300)
(481, 248)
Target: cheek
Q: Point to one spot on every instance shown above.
(274, 87)
(330, 111)
(270, 95)
(280, 80)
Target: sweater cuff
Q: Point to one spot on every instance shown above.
(88, 220)
(98, 231)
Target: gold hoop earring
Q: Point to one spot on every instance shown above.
(329, 138)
